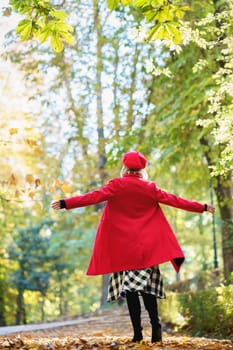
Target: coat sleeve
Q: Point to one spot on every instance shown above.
(90, 198)
(178, 202)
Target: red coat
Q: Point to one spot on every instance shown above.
(133, 232)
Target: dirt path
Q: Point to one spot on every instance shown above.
(107, 329)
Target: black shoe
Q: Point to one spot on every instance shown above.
(156, 334)
(137, 337)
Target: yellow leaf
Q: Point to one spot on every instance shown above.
(29, 178)
(31, 142)
(13, 131)
(179, 14)
(43, 36)
(69, 38)
(52, 190)
(75, 194)
(56, 197)
(31, 194)
(57, 183)
(112, 4)
(38, 151)
(66, 188)
(17, 193)
(38, 206)
(126, 2)
(58, 14)
(12, 180)
(56, 43)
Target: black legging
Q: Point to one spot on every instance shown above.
(134, 307)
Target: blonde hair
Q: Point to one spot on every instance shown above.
(141, 172)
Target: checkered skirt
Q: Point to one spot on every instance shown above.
(147, 280)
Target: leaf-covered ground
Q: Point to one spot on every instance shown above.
(109, 329)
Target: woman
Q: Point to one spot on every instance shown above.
(133, 238)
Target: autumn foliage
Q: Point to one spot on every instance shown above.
(109, 329)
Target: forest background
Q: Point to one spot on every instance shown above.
(73, 103)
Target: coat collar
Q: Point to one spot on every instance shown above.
(133, 175)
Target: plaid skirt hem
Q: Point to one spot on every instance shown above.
(146, 280)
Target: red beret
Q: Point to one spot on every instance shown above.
(134, 160)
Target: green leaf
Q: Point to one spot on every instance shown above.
(22, 24)
(56, 43)
(174, 32)
(141, 3)
(24, 29)
(44, 34)
(41, 24)
(64, 27)
(155, 3)
(58, 14)
(165, 14)
(145, 10)
(126, 2)
(152, 32)
(42, 4)
(184, 8)
(150, 16)
(179, 13)
(69, 38)
(159, 32)
(112, 4)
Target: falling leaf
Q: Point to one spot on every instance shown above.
(29, 178)
(17, 193)
(31, 143)
(56, 197)
(38, 206)
(12, 180)
(57, 183)
(31, 194)
(66, 188)
(37, 182)
(13, 131)
(7, 11)
(38, 151)
(52, 190)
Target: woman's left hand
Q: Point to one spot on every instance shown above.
(56, 205)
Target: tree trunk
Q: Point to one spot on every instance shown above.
(42, 303)
(223, 190)
(21, 312)
(2, 303)
(116, 104)
(130, 112)
(99, 113)
(61, 312)
(76, 113)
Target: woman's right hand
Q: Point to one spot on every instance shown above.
(56, 205)
(210, 209)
